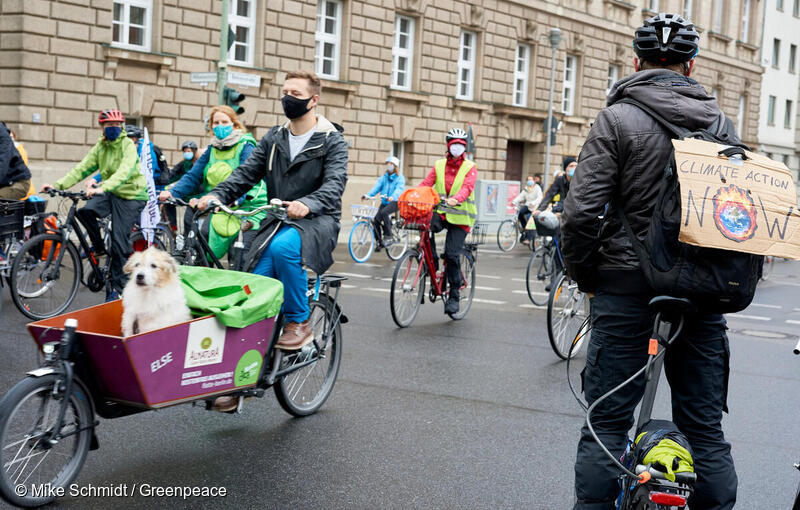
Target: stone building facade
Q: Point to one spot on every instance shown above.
(397, 73)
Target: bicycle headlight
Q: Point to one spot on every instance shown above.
(49, 350)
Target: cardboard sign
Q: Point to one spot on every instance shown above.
(746, 205)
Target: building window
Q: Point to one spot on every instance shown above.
(779, 4)
(397, 151)
(716, 24)
(403, 52)
(328, 38)
(613, 76)
(466, 65)
(740, 117)
(131, 24)
(787, 117)
(521, 72)
(688, 8)
(776, 53)
(771, 110)
(570, 81)
(745, 35)
(653, 5)
(242, 20)
(792, 57)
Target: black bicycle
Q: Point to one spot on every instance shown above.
(48, 268)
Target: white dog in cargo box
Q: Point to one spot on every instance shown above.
(153, 298)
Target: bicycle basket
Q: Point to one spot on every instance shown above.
(542, 230)
(363, 211)
(415, 215)
(12, 218)
(477, 235)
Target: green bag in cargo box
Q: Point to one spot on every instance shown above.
(236, 299)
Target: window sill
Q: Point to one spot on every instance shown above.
(408, 95)
(576, 119)
(518, 111)
(350, 88)
(719, 36)
(467, 104)
(113, 55)
(746, 45)
(621, 4)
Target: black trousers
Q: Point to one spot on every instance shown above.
(453, 248)
(383, 221)
(523, 216)
(247, 237)
(124, 215)
(696, 366)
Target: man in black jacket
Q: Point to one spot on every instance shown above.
(15, 178)
(304, 163)
(620, 165)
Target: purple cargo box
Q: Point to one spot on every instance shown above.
(180, 363)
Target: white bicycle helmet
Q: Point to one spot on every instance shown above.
(456, 134)
(393, 159)
(548, 220)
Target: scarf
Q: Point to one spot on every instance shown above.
(228, 142)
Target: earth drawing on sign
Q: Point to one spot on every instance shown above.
(735, 213)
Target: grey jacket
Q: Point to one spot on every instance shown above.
(316, 177)
(620, 165)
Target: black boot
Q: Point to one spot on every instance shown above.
(451, 306)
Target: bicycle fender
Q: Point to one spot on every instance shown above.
(42, 371)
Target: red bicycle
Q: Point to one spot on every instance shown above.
(408, 281)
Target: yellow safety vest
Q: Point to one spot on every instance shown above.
(467, 210)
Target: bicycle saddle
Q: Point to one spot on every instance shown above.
(667, 304)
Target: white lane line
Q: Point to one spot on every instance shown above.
(348, 286)
(488, 301)
(777, 307)
(793, 284)
(750, 317)
(356, 275)
(535, 307)
(526, 293)
(386, 279)
(491, 277)
(376, 289)
(478, 287)
(518, 279)
(790, 321)
(797, 309)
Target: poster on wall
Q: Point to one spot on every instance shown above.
(492, 195)
(511, 194)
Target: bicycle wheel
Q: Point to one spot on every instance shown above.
(467, 291)
(362, 241)
(567, 311)
(408, 288)
(303, 391)
(400, 239)
(537, 275)
(29, 460)
(507, 235)
(39, 289)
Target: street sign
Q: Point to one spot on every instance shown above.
(203, 77)
(244, 79)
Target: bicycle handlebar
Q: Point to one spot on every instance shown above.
(684, 477)
(274, 205)
(73, 195)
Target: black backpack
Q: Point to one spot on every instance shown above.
(162, 162)
(716, 281)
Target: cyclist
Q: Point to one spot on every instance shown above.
(558, 190)
(454, 177)
(188, 159)
(527, 201)
(621, 163)
(231, 145)
(389, 186)
(15, 178)
(122, 194)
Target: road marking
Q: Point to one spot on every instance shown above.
(777, 307)
(478, 287)
(518, 279)
(348, 286)
(535, 307)
(488, 301)
(797, 309)
(793, 284)
(526, 293)
(750, 317)
(489, 277)
(790, 321)
(376, 289)
(387, 279)
(356, 275)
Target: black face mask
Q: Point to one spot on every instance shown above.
(294, 107)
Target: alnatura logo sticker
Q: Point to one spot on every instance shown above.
(248, 368)
(735, 213)
(205, 344)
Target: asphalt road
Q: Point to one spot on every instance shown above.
(443, 414)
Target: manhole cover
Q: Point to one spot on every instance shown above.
(763, 334)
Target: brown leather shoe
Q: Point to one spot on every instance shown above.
(295, 335)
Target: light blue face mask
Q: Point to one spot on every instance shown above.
(188, 156)
(223, 131)
(530, 183)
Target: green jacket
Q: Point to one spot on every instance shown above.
(118, 163)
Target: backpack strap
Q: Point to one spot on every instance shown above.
(677, 131)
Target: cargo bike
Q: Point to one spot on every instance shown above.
(48, 420)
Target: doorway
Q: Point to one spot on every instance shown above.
(514, 155)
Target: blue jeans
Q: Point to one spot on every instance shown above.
(283, 260)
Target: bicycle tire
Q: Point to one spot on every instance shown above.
(408, 278)
(507, 234)
(30, 256)
(400, 240)
(288, 389)
(468, 273)
(361, 242)
(78, 419)
(567, 309)
(537, 275)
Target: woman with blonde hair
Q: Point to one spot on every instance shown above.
(230, 146)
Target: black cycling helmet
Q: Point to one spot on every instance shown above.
(133, 131)
(188, 144)
(456, 134)
(666, 39)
